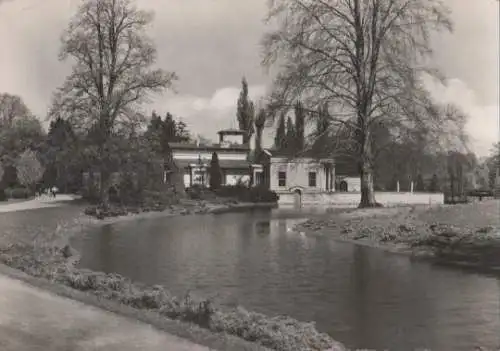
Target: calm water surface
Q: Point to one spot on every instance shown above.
(363, 297)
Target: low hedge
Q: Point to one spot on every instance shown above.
(235, 191)
(197, 192)
(277, 333)
(18, 193)
(246, 194)
(480, 193)
(240, 193)
(261, 194)
(99, 212)
(3, 195)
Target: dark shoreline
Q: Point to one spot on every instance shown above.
(192, 208)
(237, 329)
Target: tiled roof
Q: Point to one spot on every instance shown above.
(345, 166)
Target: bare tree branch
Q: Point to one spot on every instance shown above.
(112, 72)
(364, 59)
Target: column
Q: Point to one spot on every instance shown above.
(326, 168)
(332, 177)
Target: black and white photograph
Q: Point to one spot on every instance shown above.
(249, 175)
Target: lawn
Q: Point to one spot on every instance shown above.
(475, 215)
(466, 235)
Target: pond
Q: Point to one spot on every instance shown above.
(363, 297)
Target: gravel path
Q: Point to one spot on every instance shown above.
(36, 203)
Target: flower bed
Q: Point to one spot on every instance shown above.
(277, 333)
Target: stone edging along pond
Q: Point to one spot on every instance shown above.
(53, 266)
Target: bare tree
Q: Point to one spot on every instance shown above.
(112, 75)
(12, 107)
(363, 59)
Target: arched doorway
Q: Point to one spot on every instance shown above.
(297, 198)
(343, 186)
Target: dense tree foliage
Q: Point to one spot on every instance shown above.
(62, 157)
(12, 108)
(245, 112)
(280, 136)
(290, 142)
(160, 132)
(215, 172)
(300, 121)
(29, 169)
(19, 131)
(260, 121)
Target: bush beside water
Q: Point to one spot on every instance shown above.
(155, 201)
(238, 192)
(277, 333)
(3, 195)
(15, 193)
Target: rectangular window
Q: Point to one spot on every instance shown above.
(259, 178)
(312, 179)
(281, 178)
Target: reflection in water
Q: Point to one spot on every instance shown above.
(263, 228)
(363, 297)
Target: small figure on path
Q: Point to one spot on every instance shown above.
(53, 191)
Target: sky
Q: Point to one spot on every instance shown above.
(211, 44)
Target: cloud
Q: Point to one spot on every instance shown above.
(211, 44)
(483, 124)
(208, 43)
(471, 52)
(207, 115)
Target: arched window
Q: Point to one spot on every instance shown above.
(343, 186)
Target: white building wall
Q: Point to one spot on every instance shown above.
(351, 200)
(353, 183)
(297, 175)
(187, 180)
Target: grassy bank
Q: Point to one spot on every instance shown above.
(466, 235)
(53, 261)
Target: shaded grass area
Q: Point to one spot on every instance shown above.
(54, 261)
(465, 235)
